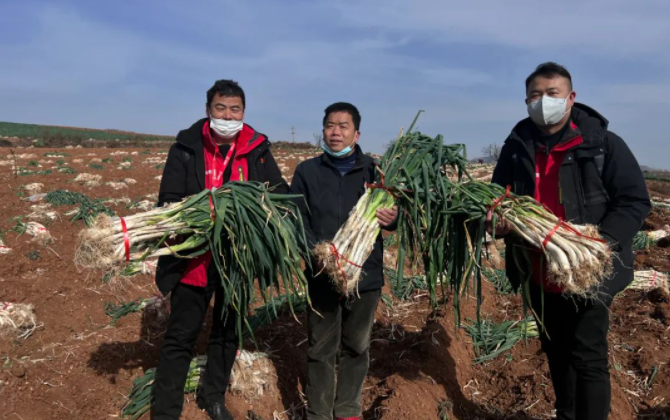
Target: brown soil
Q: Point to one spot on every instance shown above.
(76, 366)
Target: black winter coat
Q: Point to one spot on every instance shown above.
(601, 183)
(330, 197)
(184, 175)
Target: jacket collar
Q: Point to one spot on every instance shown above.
(583, 121)
(247, 140)
(361, 158)
(192, 138)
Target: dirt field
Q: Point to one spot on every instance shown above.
(77, 366)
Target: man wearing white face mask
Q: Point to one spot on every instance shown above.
(564, 156)
(215, 150)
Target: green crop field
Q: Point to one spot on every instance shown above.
(45, 132)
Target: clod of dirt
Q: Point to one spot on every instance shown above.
(18, 370)
(658, 296)
(662, 314)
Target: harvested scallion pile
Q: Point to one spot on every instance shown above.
(498, 278)
(649, 280)
(404, 289)
(264, 315)
(644, 240)
(65, 198)
(117, 312)
(141, 396)
(641, 241)
(491, 340)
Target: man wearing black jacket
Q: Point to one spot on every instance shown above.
(564, 156)
(214, 150)
(332, 183)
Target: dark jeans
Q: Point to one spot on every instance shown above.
(188, 309)
(575, 342)
(348, 323)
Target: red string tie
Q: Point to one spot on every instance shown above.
(126, 240)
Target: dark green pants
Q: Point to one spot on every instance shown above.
(341, 322)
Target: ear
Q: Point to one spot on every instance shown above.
(207, 111)
(571, 98)
(357, 136)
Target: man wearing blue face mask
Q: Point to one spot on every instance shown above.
(565, 157)
(332, 183)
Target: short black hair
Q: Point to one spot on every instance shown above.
(226, 87)
(549, 70)
(346, 107)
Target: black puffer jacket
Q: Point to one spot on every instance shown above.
(600, 181)
(184, 175)
(330, 197)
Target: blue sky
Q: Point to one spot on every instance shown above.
(145, 65)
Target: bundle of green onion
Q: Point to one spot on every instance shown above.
(641, 241)
(575, 256)
(491, 340)
(251, 232)
(499, 280)
(88, 209)
(403, 290)
(644, 240)
(266, 314)
(139, 400)
(408, 175)
(117, 312)
(649, 280)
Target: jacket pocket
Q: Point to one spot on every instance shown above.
(593, 189)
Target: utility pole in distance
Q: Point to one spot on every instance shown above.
(293, 133)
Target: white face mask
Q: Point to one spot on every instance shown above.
(548, 110)
(225, 128)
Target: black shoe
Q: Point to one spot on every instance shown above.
(216, 410)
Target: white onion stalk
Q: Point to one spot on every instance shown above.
(343, 258)
(39, 232)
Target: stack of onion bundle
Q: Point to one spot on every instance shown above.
(251, 232)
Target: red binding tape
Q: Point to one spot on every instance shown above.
(126, 240)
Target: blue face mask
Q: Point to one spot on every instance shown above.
(343, 152)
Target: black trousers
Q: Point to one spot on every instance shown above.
(189, 306)
(575, 342)
(346, 323)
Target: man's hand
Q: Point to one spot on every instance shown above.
(387, 216)
(502, 229)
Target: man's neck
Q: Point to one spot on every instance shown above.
(348, 155)
(554, 128)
